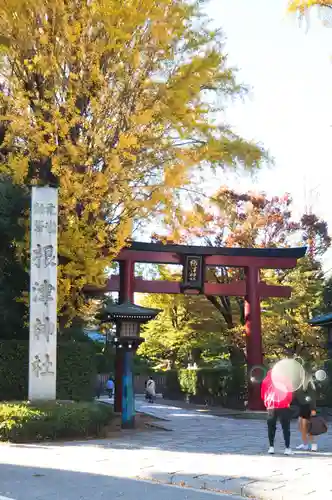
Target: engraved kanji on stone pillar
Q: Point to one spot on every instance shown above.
(43, 294)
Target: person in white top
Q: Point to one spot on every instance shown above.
(151, 390)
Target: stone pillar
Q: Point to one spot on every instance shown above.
(43, 294)
(126, 294)
(253, 335)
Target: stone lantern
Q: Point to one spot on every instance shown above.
(128, 318)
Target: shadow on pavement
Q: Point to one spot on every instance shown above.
(40, 483)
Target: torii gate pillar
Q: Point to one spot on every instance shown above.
(126, 293)
(253, 335)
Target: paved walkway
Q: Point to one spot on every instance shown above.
(200, 451)
(29, 483)
(230, 455)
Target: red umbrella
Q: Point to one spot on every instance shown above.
(276, 397)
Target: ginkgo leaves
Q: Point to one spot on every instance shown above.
(303, 5)
(110, 98)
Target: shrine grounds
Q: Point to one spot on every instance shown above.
(194, 453)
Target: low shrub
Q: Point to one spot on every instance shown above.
(25, 422)
(105, 362)
(76, 373)
(76, 370)
(172, 389)
(14, 369)
(324, 388)
(217, 386)
(188, 380)
(142, 366)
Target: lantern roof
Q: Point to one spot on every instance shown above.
(127, 311)
(322, 320)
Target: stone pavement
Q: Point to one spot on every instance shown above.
(230, 455)
(30, 483)
(200, 451)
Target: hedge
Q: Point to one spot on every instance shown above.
(226, 387)
(328, 387)
(24, 422)
(324, 388)
(76, 374)
(105, 362)
(76, 370)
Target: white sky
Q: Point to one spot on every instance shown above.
(289, 69)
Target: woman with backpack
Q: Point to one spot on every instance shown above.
(306, 399)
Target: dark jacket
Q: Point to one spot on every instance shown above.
(307, 396)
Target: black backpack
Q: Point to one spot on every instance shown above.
(317, 426)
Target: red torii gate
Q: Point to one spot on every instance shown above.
(195, 259)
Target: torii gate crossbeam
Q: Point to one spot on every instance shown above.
(252, 289)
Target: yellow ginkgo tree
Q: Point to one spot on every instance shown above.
(116, 102)
(303, 6)
(307, 4)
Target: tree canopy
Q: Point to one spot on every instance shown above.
(115, 102)
(255, 220)
(187, 330)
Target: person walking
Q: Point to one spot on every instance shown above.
(277, 401)
(151, 390)
(306, 399)
(110, 387)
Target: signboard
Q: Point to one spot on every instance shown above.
(43, 293)
(193, 274)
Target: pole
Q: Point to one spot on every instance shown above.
(128, 398)
(126, 294)
(118, 379)
(253, 335)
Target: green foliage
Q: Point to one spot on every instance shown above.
(285, 322)
(327, 294)
(186, 328)
(24, 422)
(115, 102)
(14, 369)
(188, 381)
(172, 388)
(14, 203)
(226, 387)
(325, 388)
(328, 390)
(105, 361)
(74, 332)
(256, 220)
(103, 352)
(76, 371)
(142, 366)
